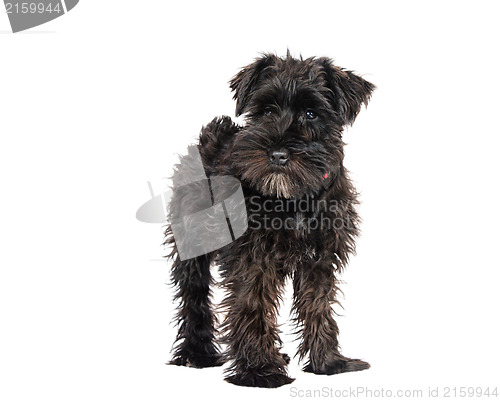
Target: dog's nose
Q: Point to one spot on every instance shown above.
(279, 157)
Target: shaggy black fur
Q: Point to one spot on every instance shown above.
(289, 158)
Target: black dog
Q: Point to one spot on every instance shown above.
(302, 221)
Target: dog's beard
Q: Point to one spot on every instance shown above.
(278, 184)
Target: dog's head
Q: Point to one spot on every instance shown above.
(295, 111)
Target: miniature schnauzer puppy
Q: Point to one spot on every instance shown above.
(288, 157)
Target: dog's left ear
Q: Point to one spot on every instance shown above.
(244, 82)
(348, 90)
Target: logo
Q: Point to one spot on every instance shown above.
(25, 14)
(205, 213)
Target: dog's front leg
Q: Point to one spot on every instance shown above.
(250, 328)
(314, 292)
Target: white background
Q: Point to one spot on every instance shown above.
(97, 102)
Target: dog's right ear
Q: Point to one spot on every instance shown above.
(244, 82)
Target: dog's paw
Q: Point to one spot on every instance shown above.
(338, 366)
(252, 379)
(197, 360)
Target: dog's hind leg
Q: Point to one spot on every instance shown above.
(195, 343)
(314, 293)
(196, 346)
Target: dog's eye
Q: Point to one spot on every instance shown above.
(267, 111)
(310, 115)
